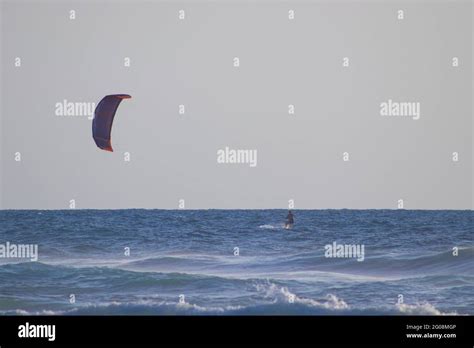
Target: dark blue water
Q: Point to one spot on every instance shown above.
(277, 271)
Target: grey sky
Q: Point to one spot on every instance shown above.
(282, 62)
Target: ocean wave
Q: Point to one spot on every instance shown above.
(421, 309)
(281, 294)
(271, 227)
(295, 265)
(245, 294)
(385, 266)
(333, 306)
(263, 297)
(308, 265)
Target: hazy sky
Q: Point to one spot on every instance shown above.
(283, 62)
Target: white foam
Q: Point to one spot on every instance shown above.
(279, 294)
(424, 308)
(269, 227)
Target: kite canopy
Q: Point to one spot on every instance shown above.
(103, 118)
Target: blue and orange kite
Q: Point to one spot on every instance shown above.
(103, 118)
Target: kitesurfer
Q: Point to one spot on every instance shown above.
(290, 220)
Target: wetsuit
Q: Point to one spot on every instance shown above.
(289, 219)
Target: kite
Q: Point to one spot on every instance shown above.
(103, 118)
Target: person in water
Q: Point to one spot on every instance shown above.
(290, 220)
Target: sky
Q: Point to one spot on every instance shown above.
(284, 64)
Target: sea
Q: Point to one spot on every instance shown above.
(237, 262)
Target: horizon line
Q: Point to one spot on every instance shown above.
(231, 209)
